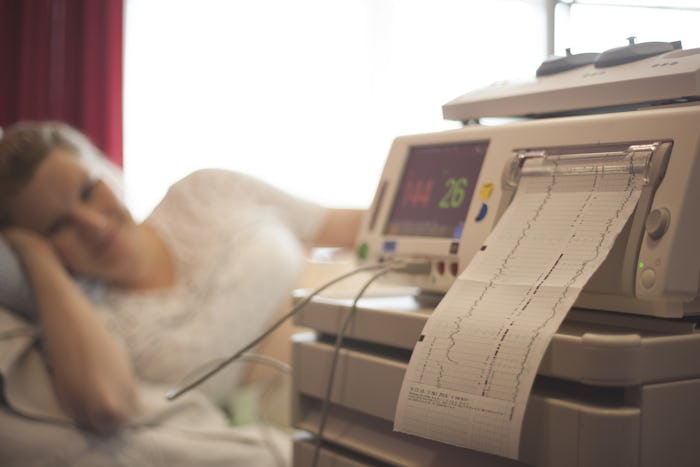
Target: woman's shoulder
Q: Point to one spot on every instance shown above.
(213, 183)
(222, 197)
(201, 201)
(197, 190)
(209, 174)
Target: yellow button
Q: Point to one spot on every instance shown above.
(486, 191)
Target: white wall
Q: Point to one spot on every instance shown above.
(307, 94)
(596, 28)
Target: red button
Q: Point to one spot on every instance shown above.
(454, 269)
(441, 267)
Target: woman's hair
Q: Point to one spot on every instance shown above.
(24, 145)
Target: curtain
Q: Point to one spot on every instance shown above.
(62, 60)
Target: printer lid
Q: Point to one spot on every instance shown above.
(623, 78)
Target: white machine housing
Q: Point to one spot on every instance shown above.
(654, 267)
(615, 387)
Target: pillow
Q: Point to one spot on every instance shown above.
(16, 292)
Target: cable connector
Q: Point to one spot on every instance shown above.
(421, 267)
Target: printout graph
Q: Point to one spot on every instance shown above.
(472, 369)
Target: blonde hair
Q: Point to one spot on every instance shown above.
(24, 145)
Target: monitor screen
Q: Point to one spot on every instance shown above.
(436, 190)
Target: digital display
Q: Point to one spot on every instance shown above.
(436, 190)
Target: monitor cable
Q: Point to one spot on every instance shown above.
(202, 377)
(325, 409)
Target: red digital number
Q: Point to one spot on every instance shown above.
(417, 193)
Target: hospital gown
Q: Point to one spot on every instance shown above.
(237, 247)
(237, 250)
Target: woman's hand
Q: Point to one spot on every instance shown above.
(92, 374)
(339, 228)
(29, 245)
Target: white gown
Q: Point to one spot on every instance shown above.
(238, 249)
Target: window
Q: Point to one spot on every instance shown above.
(595, 26)
(309, 94)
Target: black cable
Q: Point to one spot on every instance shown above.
(264, 423)
(336, 352)
(177, 392)
(18, 332)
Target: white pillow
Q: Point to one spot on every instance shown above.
(15, 292)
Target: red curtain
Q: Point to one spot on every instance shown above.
(62, 60)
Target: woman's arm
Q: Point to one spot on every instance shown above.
(224, 192)
(91, 371)
(339, 228)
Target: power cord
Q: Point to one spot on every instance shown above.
(188, 385)
(265, 424)
(408, 267)
(18, 332)
(336, 352)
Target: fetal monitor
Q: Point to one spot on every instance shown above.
(619, 381)
(440, 194)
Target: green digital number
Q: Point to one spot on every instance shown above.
(454, 197)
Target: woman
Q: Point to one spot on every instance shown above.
(173, 283)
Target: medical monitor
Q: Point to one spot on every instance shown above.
(441, 194)
(435, 190)
(438, 196)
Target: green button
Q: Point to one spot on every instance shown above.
(363, 251)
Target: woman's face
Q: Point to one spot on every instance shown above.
(88, 227)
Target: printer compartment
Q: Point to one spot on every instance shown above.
(639, 409)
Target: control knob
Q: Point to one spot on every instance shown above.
(633, 52)
(558, 64)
